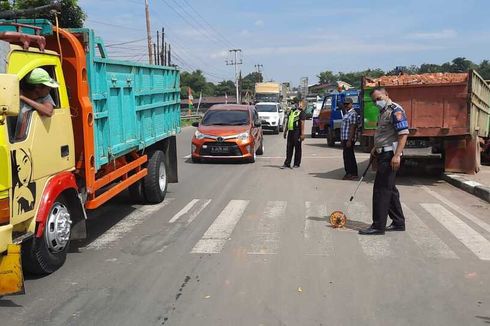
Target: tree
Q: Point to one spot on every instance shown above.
(5, 5)
(326, 77)
(461, 64)
(72, 16)
(249, 81)
(225, 87)
(484, 69)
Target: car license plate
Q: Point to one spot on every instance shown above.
(219, 149)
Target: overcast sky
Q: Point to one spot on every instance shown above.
(294, 39)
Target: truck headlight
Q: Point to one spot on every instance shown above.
(243, 136)
(198, 135)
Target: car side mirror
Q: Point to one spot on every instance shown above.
(195, 124)
(281, 111)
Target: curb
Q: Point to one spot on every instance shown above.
(472, 187)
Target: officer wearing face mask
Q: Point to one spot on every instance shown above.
(389, 141)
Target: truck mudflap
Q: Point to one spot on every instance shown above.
(11, 277)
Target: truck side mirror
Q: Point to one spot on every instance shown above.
(9, 96)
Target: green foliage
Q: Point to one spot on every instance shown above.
(5, 5)
(249, 81)
(72, 16)
(225, 87)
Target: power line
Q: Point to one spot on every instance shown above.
(224, 41)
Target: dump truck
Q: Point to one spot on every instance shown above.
(113, 128)
(447, 112)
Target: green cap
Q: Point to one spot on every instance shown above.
(41, 76)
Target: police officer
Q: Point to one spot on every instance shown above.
(389, 140)
(295, 134)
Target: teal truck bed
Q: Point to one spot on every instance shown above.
(135, 105)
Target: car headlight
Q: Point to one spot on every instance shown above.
(243, 136)
(199, 135)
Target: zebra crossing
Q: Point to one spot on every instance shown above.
(317, 238)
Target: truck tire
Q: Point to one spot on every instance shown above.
(47, 253)
(155, 182)
(330, 138)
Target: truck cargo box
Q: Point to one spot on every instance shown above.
(135, 105)
(437, 105)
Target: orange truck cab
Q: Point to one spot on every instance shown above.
(113, 127)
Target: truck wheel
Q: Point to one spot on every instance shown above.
(155, 182)
(330, 138)
(47, 253)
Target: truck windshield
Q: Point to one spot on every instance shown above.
(266, 108)
(225, 118)
(267, 97)
(354, 98)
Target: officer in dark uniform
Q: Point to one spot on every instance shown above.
(295, 132)
(389, 140)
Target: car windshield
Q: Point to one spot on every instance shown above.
(266, 108)
(225, 118)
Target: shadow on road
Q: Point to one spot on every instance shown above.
(9, 303)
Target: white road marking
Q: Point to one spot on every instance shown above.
(202, 205)
(469, 237)
(219, 232)
(317, 235)
(458, 209)
(424, 238)
(188, 156)
(313, 157)
(374, 246)
(124, 226)
(184, 210)
(266, 240)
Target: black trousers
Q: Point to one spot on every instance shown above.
(350, 163)
(386, 198)
(293, 143)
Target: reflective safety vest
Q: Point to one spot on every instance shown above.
(293, 119)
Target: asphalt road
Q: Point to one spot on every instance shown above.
(248, 244)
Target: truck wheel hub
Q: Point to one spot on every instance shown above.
(162, 180)
(58, 228)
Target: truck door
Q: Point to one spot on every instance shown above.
(45, 146)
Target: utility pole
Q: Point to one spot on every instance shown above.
(259, 68)
(235, 62)
(162, 51)
(148, 33)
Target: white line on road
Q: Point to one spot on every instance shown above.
(266, 240)
(124, 226)
(184, 210)
(374, 246)
(458, 209)
(312, 157)
(202, 205)
(318, 238)
(219, 232)
(425, 238)
(188, 156)
(469, 237)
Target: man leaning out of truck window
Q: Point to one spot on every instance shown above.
(34, 95)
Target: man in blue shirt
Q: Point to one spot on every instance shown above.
(348, 131)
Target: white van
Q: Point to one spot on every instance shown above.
(272, 116)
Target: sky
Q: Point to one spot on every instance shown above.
(295, 39)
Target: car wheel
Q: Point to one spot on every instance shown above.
(155, 182)
(47, 253)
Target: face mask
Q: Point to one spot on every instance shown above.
(380, 103)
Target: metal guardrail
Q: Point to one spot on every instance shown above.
(190, 116)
